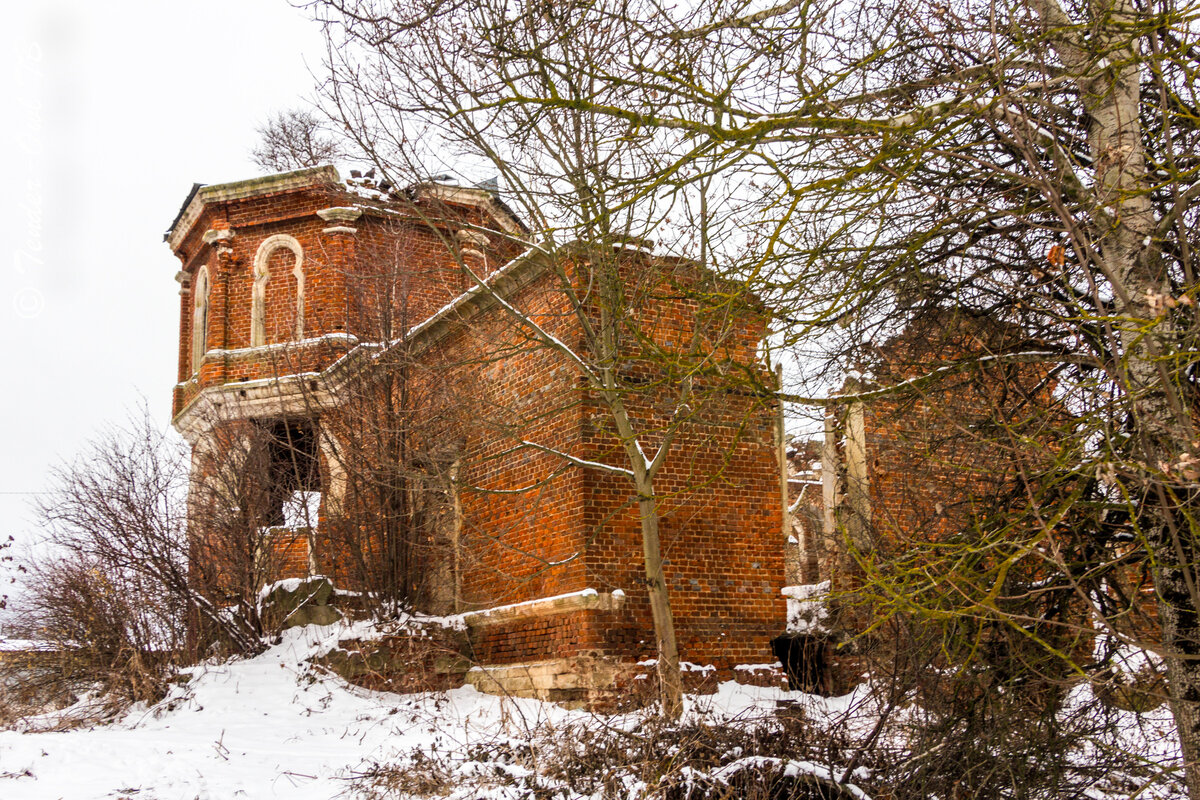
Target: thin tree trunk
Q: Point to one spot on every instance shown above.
(1181, 644)
(669, 678)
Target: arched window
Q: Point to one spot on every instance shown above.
(199, 318)
(262, 276)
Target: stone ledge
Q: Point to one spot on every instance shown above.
(588, 599)
(575, 682)
(333, 338)
(340, 214)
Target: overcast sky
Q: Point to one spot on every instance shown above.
(110, 112)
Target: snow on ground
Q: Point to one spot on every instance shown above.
(271, 727)
(274, 727)
(258, 728)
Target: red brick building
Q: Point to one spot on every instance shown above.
(940, 439)
(360, 406)
(943, 440)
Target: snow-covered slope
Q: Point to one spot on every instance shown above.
(269, 727)
(275, 727)
(259, 728)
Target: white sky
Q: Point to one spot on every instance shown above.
(108, 113)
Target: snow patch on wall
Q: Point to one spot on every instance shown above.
(808, 608)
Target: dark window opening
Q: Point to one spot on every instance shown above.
(293, 476)
(806, 661)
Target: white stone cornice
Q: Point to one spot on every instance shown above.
(340, 214)
(325, 339)
(306, 393)
(222, 192)
(472, 196)
(585, 600)
(212, 236)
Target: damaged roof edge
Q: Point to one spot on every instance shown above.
(202, 194)
(238, 190)
(182, 209)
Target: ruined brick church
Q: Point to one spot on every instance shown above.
(384, 387)
(365, 383)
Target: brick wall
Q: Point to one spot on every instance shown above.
(941, 456)
(526, 523)
(579, 529)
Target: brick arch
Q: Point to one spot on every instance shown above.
(262, 275)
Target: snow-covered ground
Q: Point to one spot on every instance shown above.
(274, 727)
(271, 727)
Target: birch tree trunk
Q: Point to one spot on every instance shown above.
(1126, 253)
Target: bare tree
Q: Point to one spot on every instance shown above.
(574, 177)
(387, 456)
(857, 164)
(295, 139)
(120, 510)
(8, 568)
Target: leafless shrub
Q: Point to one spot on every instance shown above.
(606, 757)
(743, 758)
(97, 630)
(417, 776)
(111, 596)
(973, 740)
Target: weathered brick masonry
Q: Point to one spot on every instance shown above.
(923, 463)
(294, 286)
(948, 433)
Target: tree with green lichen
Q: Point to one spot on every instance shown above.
(856, 164)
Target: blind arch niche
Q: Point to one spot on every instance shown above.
(262, 276)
